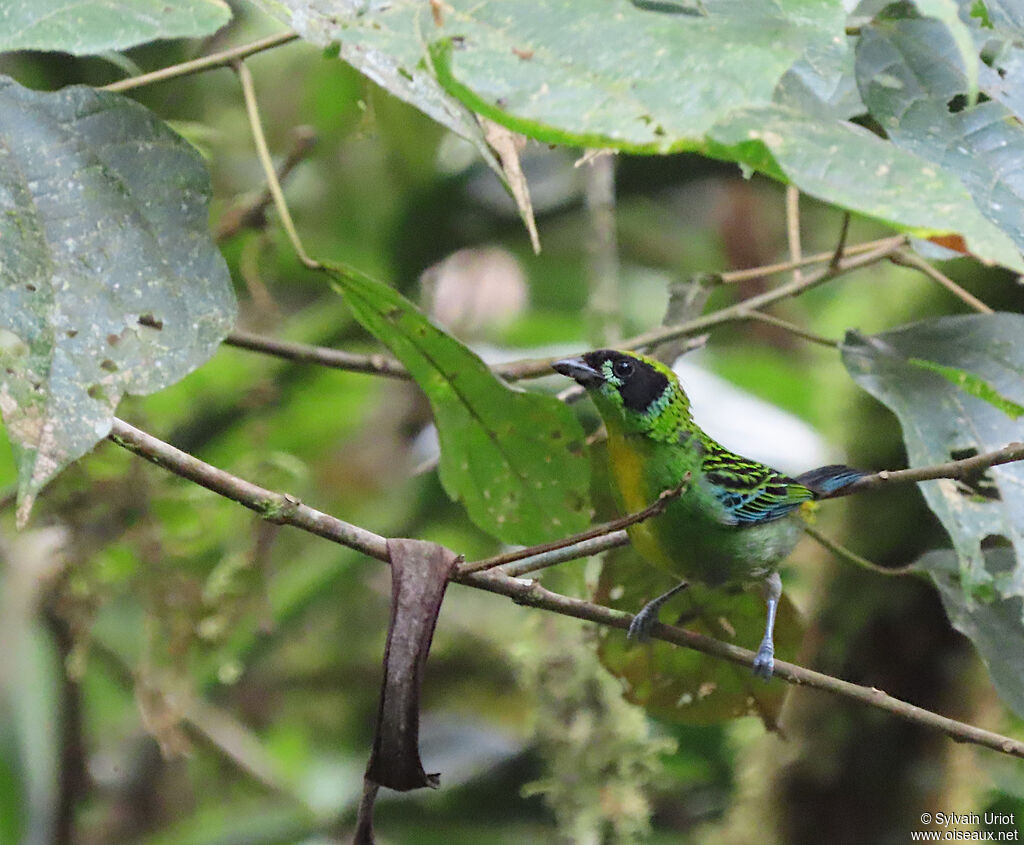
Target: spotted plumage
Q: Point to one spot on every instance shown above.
(736, 519)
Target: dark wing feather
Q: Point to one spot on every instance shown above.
(750, 492)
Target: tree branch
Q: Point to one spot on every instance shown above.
(285, 509)
(905, 258)
(656, 507)
(214, 60)
(737, 310)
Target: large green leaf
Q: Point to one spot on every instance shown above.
(844, 164)
(686, 686)
(941, 420)
(515, 459)
(109, 281)
(995, 627)
(84, 27)
(910, 75)
(624, 74)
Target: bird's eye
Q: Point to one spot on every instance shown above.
(623, 368)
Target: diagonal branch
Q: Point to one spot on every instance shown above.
(214, 60)
(285, 509)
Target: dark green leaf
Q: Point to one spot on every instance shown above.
(911, 76)
(515, 459)
(85, 27)
(942, 421)
(109, 280)
(678, 684)
(995, 627)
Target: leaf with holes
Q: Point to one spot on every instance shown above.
(943, 420)
(995, 626)
(911, 76)
(84, 27)
(109, 281)
(678, 684)
(515, 459)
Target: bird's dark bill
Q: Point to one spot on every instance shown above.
(580, 370)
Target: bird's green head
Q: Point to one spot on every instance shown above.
(632, 392)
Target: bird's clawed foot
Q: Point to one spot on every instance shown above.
(764, 662)
(645, 620)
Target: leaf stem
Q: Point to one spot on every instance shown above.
(846, 554)
(214, 60)
(269, 171)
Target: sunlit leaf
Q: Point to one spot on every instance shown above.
(515, 459)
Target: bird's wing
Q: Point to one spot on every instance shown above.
(748, 491)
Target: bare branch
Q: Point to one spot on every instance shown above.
(905, 258)
(964, 468)
(285, 509)
(533, 594)
(734, 276)
(792, 328)
(214, 60)
(736, 311)
(656, 507)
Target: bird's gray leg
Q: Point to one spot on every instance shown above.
(764, 663)
(640, 627)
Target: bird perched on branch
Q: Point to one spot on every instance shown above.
(737, 519)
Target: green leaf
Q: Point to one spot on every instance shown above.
(515, 459)
(847, 165)
(970, 383)
(947, 12)
(941, 421)
(87, 27)
(623, 74)
(910, 75)
(678, 684)
(109, 280)
(996, 627)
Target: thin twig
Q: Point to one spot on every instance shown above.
(733, 276)
(840, 251)
(734, 312)
(846, 554)
(285, 509)
(380, 365)
(905, 258)
(792, 328)
(964, 468)
(263, 152)
(251, 214)
(793, 229)
(602, 252)
(653, 509)
(214, 60)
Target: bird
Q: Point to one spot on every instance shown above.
(736, 519)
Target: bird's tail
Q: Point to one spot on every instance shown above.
(827, 481)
